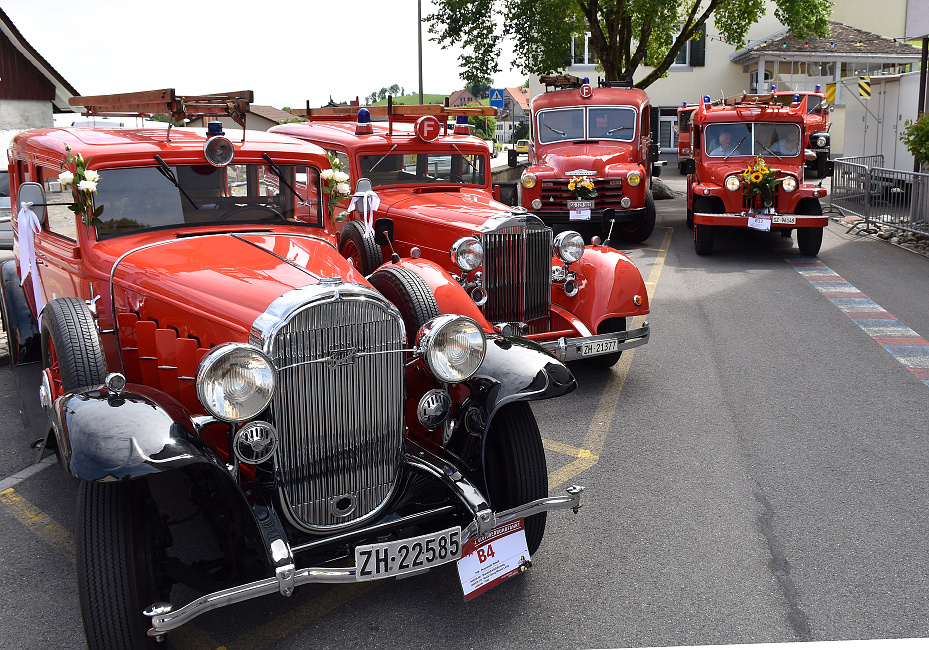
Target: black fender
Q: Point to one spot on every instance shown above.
(519, 370)
(20, 324)
(106, 437)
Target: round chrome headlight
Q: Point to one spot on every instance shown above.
(235, 382)
(452, 347)
(633, 178)
(569, 246)
(789, 184)
(821, 141)
(218, 151)
(467, 253)
(733, 183)
(529, 180)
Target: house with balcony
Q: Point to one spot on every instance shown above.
(861, 42)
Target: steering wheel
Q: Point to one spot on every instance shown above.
(243, 208)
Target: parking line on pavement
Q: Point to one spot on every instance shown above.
(23, 474)
(902, 343)
(43, 526)
(595, 439)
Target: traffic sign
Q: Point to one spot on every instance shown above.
(496, 97)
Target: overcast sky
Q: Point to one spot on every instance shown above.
(286, 51)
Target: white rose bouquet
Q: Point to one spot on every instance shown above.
(336, 185)
(83, 184)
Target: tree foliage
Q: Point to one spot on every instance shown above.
(483, 126)
(625, 34)
(380, 95)
(915, 137)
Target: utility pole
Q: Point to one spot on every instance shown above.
(419, 33)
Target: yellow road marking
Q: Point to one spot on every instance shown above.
(567, 450)
(46, 528)
(595, 439)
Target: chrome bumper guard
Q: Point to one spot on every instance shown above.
(164, 619)
(571, 349)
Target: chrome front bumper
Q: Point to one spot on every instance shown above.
(571, 349)
(286, 578)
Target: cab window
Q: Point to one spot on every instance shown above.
(59, 220)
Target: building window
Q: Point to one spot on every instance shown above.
(693, 53)
(581, 52)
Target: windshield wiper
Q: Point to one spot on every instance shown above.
(736, 148)
(768, 150)
(464, 157)
(381, 159)
(619, 128)
(280, 174)
(561, 133)
(167, 173)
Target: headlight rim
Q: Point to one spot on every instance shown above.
(734, 180)
(529, 180)
(789, 184)
(638, 176)
(427, 335)
(559, 242)
(456, 247)
(209, 362)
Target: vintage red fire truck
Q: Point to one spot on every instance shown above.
(685, 115)
(593, 154)
(816, 112)
(212, 369)
(433, 187)
(747, 172)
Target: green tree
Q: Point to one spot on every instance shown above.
(625, 34)
(915, 138)
(520, 132)
(482, 126)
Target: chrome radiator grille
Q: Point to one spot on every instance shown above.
(517, 273)
(338, 410)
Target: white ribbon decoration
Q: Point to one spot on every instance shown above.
(27, 224)
(369, 203)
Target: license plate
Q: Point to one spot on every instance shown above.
(599, 347)
(375, 561)
(579, 210)
(788, 219)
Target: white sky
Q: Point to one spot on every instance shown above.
(286, 51)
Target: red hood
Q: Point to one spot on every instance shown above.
(452, 208)
(717, 172)
(564, 158)
(222, 280)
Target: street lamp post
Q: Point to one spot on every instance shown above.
(419, 33)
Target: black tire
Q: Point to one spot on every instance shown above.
(71, 346)
(639, 232)
(410, 294)
(116, 573)
(515, 468)
(610, 325)
(704, 235)
(362, 250)
(690, 218)
(810, 240)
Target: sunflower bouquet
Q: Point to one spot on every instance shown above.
(759, 179)
(582, 188)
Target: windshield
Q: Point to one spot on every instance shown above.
(586, 123)
(778, 139)
(142, 198)
(423, 167)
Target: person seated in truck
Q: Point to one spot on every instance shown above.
(789, 145)
(728, 139)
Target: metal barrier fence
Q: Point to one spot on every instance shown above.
(888, 197)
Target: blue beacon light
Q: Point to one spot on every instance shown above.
(363, 126)
(461, 125)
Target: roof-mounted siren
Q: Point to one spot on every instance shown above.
(363, 126)
(706, 99)
(796, 98)
(217, 149)
(683, 104)
(461, 125)
(773, 88)
(819, 87)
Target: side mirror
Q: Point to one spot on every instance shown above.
(689, 166)
(383, 231)
(34, 194)
(653, 151)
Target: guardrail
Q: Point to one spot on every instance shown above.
(889, 197)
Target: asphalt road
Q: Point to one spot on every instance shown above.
(756, 473)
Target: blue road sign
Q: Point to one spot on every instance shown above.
(496, 97)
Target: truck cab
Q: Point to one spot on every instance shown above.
(685, 115)
(747, 171)
(591, 159)
(815, 112)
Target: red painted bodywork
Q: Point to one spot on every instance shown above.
(710, 174)
(684, 117)
(609, 159)
(433, 217)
